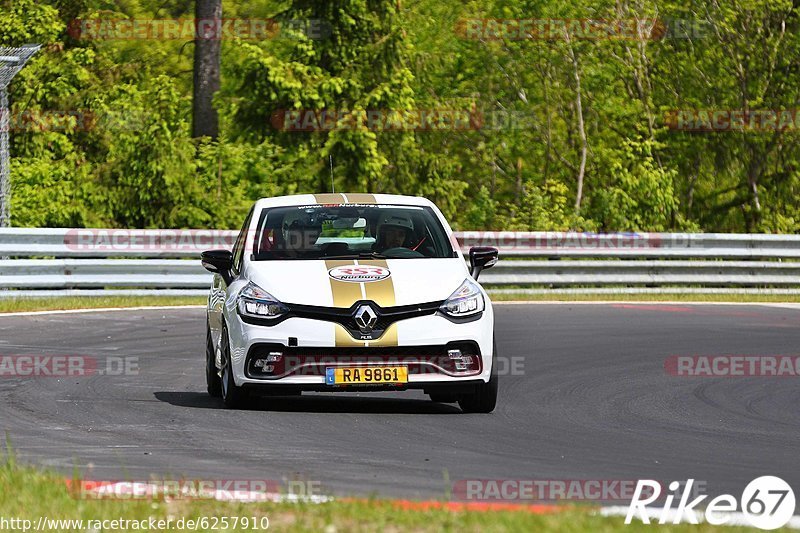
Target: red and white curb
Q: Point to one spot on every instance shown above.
(137, 490)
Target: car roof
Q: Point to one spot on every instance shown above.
(341, 198)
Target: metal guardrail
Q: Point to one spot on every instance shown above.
(636, 245)
(109, 243)
(154, 243)
(138, 261)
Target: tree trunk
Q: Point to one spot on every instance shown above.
(208, 14)
(581, 127)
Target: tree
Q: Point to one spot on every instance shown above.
(205, 122)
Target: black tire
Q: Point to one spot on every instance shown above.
(484, 399)
(443, 398)
(232, 396)
(213, 382)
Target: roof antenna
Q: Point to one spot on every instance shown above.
(330, 157)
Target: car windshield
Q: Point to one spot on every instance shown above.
(350, 232)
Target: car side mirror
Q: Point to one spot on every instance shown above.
(481, 257)
(218, 262)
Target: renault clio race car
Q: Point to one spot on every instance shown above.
(349, 292)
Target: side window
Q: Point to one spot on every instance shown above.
(238, 247)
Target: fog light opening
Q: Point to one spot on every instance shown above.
(462, 362)
(264, 365)
(454, 354)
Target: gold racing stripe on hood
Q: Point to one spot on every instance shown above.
(361, 198)
(345, 294)
(329, 198)
(381, 292)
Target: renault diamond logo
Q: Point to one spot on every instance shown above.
(365, 318)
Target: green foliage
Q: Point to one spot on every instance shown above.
(546, 207)
(48, 193)
(28, 21)
(482, 212)
(148, 178)
(641, 198)
(125, 156)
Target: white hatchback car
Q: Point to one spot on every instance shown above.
(350, 292)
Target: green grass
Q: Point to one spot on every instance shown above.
(28, 493)
(10, 305)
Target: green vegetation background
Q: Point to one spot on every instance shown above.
(596, 105)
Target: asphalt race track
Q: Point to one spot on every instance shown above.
(590, 400)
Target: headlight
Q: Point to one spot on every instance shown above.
(466, 301)
(257, 303)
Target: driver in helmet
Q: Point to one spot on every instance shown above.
(394, 232)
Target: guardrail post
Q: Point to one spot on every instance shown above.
(11, 62)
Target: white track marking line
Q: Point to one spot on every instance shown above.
(786, 305)
(129, 489)
(102, 310)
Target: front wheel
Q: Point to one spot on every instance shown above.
(484, 398)
(232, 395)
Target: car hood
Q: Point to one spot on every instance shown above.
(341, 283)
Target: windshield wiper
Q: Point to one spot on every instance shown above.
(371, 255)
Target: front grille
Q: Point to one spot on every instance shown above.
(311, 361)
(344, 316)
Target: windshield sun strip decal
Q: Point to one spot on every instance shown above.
(329, 198)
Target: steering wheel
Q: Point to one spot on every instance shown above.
(401, 253)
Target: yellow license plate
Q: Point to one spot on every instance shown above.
(366, 375)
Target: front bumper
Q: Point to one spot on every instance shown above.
(308, 347)
(448, 388)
